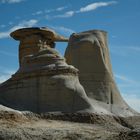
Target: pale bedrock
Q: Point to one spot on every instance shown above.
(44, 82)
(88, 51)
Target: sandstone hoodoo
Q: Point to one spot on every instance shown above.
(44, 81)
(88, 51)
(75, 99)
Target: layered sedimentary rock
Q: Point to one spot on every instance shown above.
(88, 51)
(44, 82)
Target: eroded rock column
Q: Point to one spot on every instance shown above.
(44, 81)
(88, 51)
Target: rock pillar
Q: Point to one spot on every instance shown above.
(44, 81)
(88, 51)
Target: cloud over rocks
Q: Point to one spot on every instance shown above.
(23, 24)
(61, 8)
(63, 30)
(87, 8)
(65, 15)
(94, 6)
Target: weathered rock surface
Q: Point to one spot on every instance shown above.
(26, 125)
(44, 81)
(88, 51)
(45, 84)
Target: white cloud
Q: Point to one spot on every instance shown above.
(49, 11)
(65, 15)
(94, 6)
(57, 9)
(66, 30)
(90, 7)
(11, 1)
(23, 24)
(63, 30)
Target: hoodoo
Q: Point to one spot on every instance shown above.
(88, 51)
(44, 81)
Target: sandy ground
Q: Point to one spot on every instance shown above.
(29, 126)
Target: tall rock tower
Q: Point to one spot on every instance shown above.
(44, 81)
(88, 51)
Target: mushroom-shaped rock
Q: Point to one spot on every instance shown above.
(44, 81)
(33, 40)
(44, 32)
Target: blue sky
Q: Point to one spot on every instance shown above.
(120, 18)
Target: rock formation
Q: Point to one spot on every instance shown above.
(44, 82)
(88, 51)
(44, 99)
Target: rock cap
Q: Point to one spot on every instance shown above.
(46, 32)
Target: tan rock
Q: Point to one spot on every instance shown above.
(44, 82)
(88, 51)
